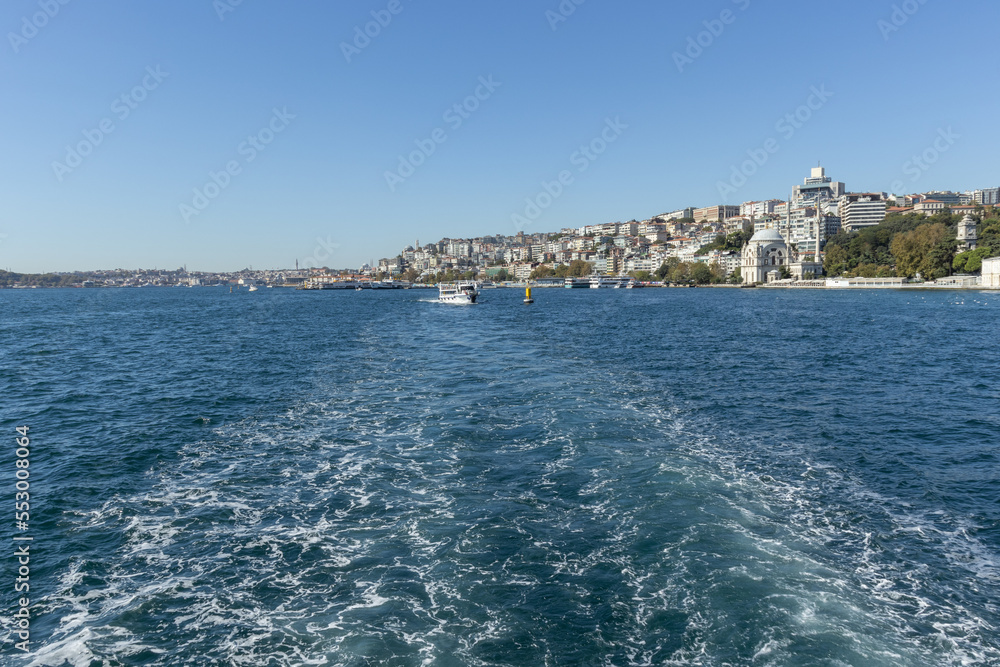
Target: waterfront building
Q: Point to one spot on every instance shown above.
(860, 210)
(991, 273)
(763, 256)
(967, 234)
(867, 283)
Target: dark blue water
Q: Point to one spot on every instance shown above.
(640, 477)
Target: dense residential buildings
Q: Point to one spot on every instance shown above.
(817, 209)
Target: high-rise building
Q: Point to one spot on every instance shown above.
(818, 187)
(861, 209)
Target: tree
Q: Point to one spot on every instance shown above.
(667, 267)
(542, 271)
(971, 261)
(680, 273)
(642, 276)
(913, 250)
(736, 277)
(718, 273)
(700, 273)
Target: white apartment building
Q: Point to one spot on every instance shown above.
(986, 197)
(860, 210)
(758, 209)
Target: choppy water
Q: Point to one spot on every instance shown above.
(641, 477)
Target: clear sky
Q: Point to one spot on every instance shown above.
(308, 118)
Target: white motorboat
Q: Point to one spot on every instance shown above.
(463, 292)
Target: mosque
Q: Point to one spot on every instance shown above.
(767, 252)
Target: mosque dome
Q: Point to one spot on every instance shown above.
(767, 236)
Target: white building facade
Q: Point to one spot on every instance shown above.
(765, 254)
(991, 273)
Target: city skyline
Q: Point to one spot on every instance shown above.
(232, 134)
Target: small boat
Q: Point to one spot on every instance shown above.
(463, 292)
(253, 288)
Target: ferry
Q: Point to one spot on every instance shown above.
(611, 282)
(463, 292)
(573, 283)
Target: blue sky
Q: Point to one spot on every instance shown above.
(200, 77)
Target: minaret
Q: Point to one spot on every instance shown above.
(816, 255)
(788, 223)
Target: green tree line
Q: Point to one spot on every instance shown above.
(904, 245)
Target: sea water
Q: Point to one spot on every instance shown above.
(606, 477)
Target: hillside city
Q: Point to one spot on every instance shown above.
(819, 209)
(706, 243)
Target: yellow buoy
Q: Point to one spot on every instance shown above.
(527, 295)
